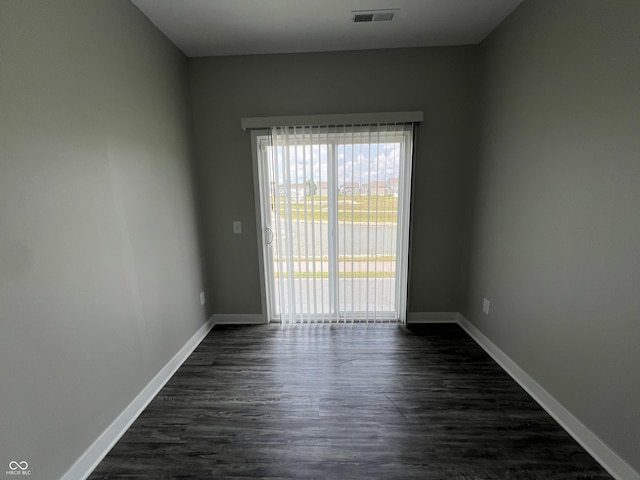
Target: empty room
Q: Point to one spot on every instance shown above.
(320, 239)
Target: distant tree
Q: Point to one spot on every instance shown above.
(312, 188)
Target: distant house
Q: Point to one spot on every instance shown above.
(350, 188)
(392, 186)
(374, 188)
(293, 190)
(323, 189)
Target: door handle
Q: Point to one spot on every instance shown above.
(269, 235)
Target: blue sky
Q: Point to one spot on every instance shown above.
(360, 163)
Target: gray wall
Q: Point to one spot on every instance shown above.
(556, 243)
(99, 263)
(439, 81)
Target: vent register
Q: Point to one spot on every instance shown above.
(368, 16)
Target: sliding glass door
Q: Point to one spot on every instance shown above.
(334, 211)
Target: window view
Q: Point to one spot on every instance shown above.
(333, 209)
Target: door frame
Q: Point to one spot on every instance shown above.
(265, 267)
(265, 234)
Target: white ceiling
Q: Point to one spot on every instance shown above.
(239, 27)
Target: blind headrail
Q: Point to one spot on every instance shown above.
(330, 120)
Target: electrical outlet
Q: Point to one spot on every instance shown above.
(485, 306)
(237, 227)
(201, 298)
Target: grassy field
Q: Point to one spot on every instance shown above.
(342, 258)
(307, 275)
(373, 209)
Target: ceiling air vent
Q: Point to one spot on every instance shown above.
(367, 16)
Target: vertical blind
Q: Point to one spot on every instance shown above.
(338, 222)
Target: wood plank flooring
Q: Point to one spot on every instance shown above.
(344, 402)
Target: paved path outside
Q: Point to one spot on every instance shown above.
(312, 238)
(372, 267)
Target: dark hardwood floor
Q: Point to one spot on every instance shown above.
(344, 402)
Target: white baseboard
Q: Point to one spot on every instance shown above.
(432, 317)
(239, 318)
(609, 460)
(90, 459)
